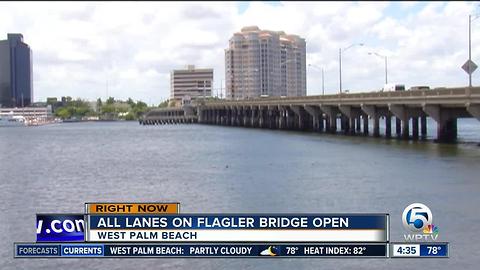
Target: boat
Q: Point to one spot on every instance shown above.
(9, 119)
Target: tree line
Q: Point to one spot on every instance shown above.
(109, 109)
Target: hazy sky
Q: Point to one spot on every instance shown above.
(78, 47)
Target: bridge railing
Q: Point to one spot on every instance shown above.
(458, 91)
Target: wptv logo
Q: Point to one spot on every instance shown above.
(417, 218)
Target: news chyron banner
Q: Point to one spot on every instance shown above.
(237, 228)
(158, 230)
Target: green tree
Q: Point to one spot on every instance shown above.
(99, 103)
(131, 102)
(130, 116)
(163, 104)
(63, 113)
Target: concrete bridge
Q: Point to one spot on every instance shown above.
(320, 113)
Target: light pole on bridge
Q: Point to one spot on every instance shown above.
(340, 60)
(470, 20)
(385, 58)
(323, 79)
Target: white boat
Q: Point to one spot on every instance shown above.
(9, 119)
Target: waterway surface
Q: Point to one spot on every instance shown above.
(211, 169)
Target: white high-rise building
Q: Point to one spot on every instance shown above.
(265, 63)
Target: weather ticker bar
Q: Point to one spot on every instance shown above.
(70, 250)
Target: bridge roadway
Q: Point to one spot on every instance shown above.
(320, 113)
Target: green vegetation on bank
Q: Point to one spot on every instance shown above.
(109, 109)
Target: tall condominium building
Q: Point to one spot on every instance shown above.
(190, 83)
(262, 62)
(16, 87)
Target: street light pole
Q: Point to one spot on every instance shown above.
(340, 66)
(340, 61)
(470, 48)
(386, 71)
(385, 59)
(323, 83)
(476, 16)
(323, 77)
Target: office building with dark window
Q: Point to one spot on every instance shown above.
(16, 87)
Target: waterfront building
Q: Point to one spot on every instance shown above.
(265, 63)
(190, 83)
(33, 115)
(16, 87)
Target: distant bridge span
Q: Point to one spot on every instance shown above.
(320, 113)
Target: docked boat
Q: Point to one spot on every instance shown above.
(9, 119)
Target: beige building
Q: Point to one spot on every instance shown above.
(265, 63)
(190, 83)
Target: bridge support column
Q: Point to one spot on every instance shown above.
(358, 125)
(371, 111)
(207, 116)
(269, 118)
(474, 110)
(321, 125)
(233, 114)
(299, 117)
(224, 116)
(388, 125)
(446, 123)
(423, 127)
(245, 118)
(333, 124)
(401, 113)
(447, 131)
(281, 118)
(289, 118)
(217, 117)
(248, 114)
(398, 127)
(238, 116)
(331, 114)
(253, 117)
(200, 114)
(365, 124)
(348, 120)
(376, 126)
(316, 114)
(415, 128)
(344, 124)
(260, 117)
(351, 125)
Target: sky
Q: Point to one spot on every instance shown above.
(127, 49)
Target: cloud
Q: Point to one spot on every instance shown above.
(80, 46)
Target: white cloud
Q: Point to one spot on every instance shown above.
(78, 47)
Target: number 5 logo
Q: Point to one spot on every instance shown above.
(416, 216)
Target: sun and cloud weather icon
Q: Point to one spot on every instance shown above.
(270, 251)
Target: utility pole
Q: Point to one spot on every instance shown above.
(323, 82)
(340, 65)
(470, 48)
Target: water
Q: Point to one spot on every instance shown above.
(56, 168)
